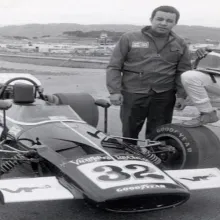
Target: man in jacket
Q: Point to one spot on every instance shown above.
(143, 75)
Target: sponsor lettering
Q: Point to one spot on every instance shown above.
(181, 136)
(140, 44)
(92, 159)
(80, 161)
(140, 187)
(130, 157)
(198, 178)
(25, 189)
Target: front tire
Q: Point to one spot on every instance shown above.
(193, 147)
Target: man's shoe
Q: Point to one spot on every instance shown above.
(204, 118)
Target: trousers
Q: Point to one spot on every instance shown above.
(157, 108)
(203, 92)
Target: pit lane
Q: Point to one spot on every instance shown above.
(203, 205)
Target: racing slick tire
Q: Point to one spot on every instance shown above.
(83, 104)
(193, 147)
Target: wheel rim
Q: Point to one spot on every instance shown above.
(175, 160)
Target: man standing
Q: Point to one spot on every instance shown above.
(144, 71)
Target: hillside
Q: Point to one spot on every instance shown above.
(193, 33)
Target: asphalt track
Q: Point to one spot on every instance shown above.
(203, 205)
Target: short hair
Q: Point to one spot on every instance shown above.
(166, 8)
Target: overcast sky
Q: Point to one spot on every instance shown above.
(193, 12)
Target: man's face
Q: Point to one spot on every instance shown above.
(163, 22)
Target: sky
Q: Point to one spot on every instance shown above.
(137, 12)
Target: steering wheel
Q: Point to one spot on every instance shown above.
(37, 88)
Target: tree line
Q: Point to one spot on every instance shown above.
(94, 34)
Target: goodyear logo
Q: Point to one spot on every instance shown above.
(140, 187)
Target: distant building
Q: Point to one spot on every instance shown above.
(103, 35)
(210, 41)
(104, 39)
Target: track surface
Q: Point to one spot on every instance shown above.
(203, 205)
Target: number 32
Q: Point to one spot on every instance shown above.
(114, 173)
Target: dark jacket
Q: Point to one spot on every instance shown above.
(137, 66)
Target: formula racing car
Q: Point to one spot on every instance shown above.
(54, 139)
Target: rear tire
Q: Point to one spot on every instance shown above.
(195, 147)
(83, 104)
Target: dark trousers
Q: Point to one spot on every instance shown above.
(156, 107)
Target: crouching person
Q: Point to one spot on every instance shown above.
(204, 93)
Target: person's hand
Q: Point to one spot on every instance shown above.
(180, 104)
(202, 52)
(116, 99)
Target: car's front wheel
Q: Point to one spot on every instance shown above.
(187, 147)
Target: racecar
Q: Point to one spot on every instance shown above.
(54, 140)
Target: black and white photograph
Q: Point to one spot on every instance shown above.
(109, 110)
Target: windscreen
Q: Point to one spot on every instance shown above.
(39, 113)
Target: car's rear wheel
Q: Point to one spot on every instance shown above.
(187, 147)
(83, 104)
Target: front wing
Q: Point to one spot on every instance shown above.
(33, 189)
(196, 179)
(49, 188)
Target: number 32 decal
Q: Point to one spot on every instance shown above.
(115, 173)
